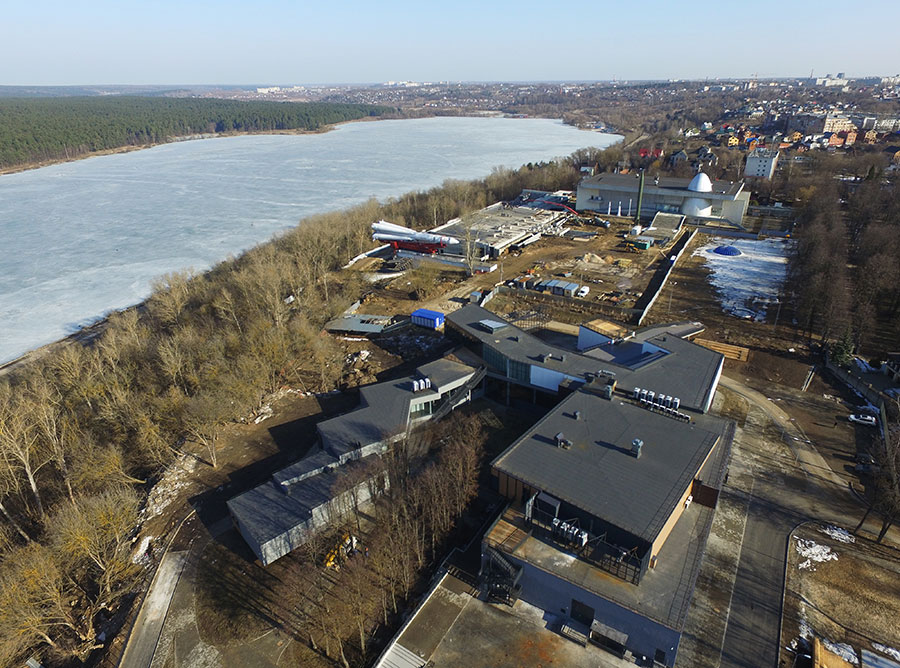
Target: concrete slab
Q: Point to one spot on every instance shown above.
(664, 592)
(149, 623)
(487, 635)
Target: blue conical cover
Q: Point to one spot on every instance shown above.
(727, 250)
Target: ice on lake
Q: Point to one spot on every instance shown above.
(82, 239)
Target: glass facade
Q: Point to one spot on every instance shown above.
(495, 360)
(519, 371)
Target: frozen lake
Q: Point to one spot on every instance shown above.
(84, 238)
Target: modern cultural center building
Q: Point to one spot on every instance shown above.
(697, 198)
(612, 492)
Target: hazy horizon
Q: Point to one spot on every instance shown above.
(107, 43)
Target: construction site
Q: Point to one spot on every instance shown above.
(545, 323)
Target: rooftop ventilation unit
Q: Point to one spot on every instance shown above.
(660, 398)
(428, 383)
(577, 415)
(643, 396)
(563, 442)
(651, 396)
(636, 393)
(676, 402)
(636, 446)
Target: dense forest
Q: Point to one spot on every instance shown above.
(38, 130)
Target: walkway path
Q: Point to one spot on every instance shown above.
(149, 623)
(781, 491)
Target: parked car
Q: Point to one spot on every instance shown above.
(867, 420)
(583, 291)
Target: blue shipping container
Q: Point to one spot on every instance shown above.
(425, 318)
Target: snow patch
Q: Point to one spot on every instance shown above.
(838, 534)
(843, 650)
(806, 631)
(264, 414)
(748, 283)
(140, 555)
(172, 482)
(812, 552)
(890, 651)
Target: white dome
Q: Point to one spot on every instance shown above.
(697, 207)
(700, 184)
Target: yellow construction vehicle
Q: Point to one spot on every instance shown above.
(341, 550)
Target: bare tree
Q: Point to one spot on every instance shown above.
(203, 420)
(35, 596)
(55, 428)
(20, 443)
(93, 537)
(9, 488)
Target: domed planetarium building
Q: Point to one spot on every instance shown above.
(698, 198)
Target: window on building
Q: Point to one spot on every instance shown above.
(519, 371)
(494, 359)
(421, 410)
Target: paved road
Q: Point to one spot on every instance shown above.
(147, 627)
(780, 494)
(751, 637)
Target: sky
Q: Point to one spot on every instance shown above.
(278, 42)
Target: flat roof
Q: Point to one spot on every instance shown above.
(606, 327)
(500, 226)
(271, 509)
(598, 473)
(670, 185)
(453, 628)
(689, 371)
(359, 323)
(384, 407)
(665, 591)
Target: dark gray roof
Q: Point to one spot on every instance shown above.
(680, 329)
(599, 474)
(630, 181)
(688, 371)
(384, 408)
(271, 509)
(309, 465)
(359, 323)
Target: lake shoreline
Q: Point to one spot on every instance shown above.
(437, 113)
(175, 140)
(118, 197)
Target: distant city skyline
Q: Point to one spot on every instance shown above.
(279, 42)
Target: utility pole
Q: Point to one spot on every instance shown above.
(637, 217)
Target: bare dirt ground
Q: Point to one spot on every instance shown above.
(848, 597)
(602, 263)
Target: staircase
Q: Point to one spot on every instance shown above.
(459, 393)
